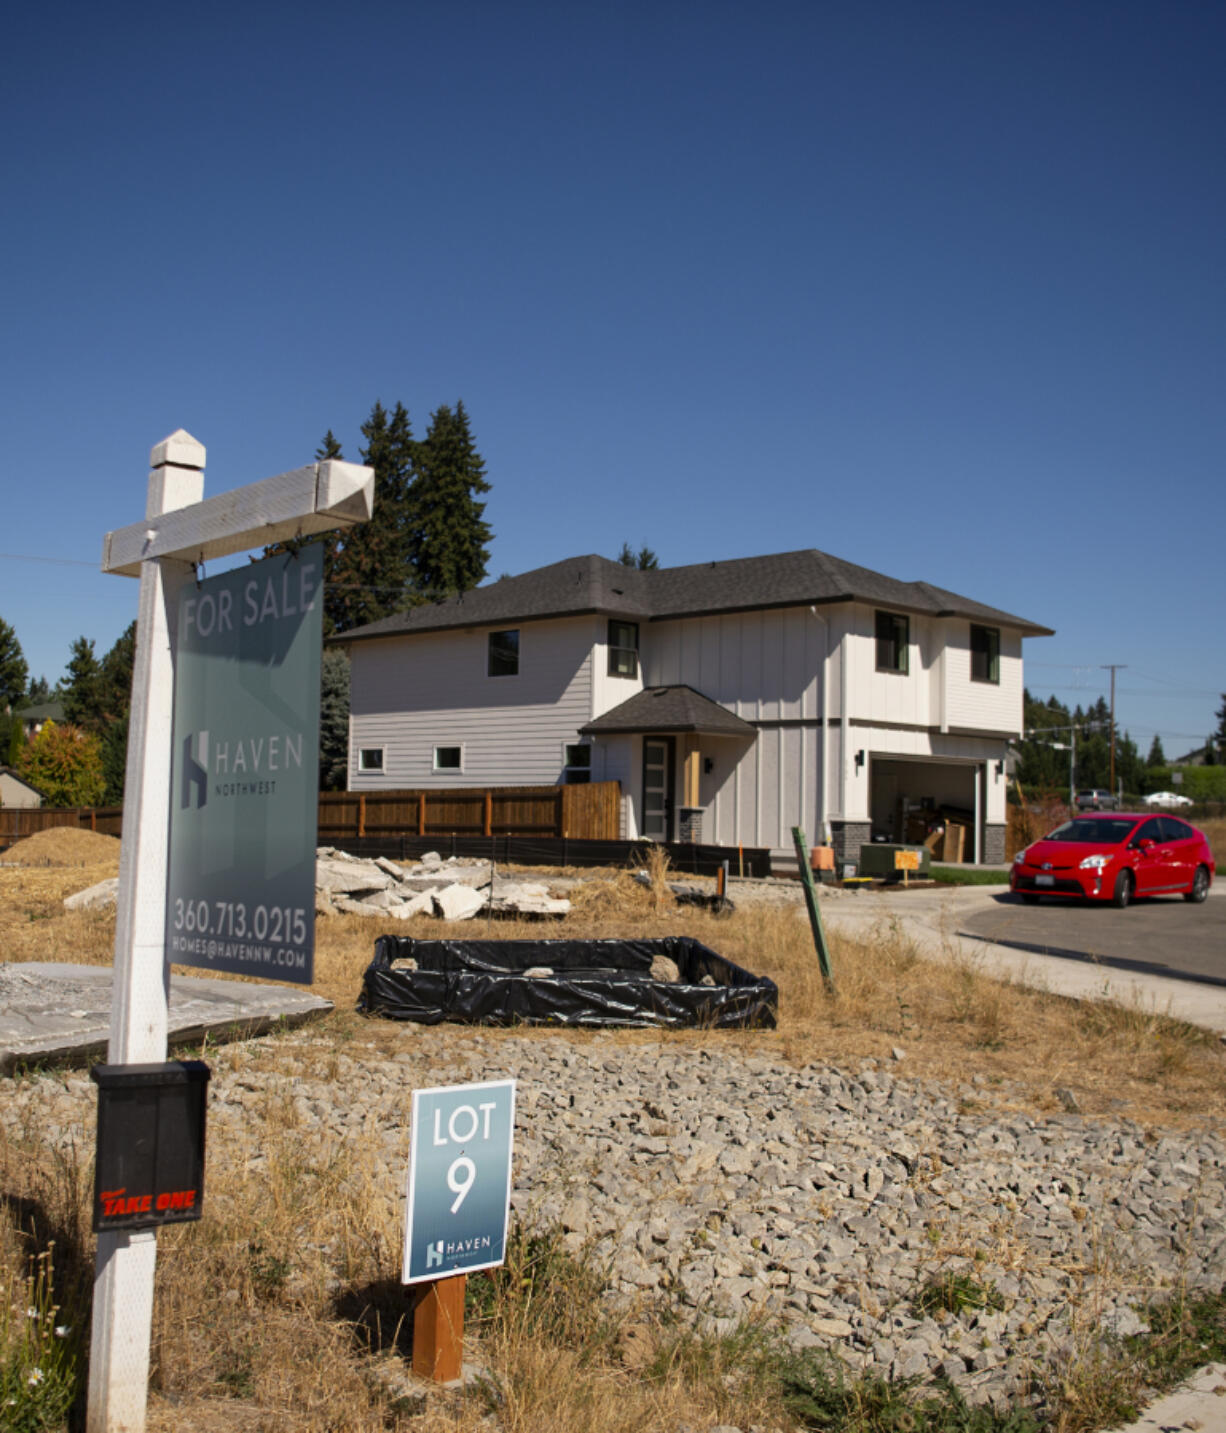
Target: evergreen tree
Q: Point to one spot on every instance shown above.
(115, 677)
(39, 692)
(82, 688)
(1218, 739)
(369, 578)
(16, 742)
(644, 559)
(1156, 757)
(334, 720)
(13, 670)
(448, 535)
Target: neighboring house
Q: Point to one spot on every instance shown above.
(732, 700)
(33, 718)
(15, 790)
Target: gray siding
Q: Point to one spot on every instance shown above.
(412, 694)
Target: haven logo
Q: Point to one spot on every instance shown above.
(195, 770)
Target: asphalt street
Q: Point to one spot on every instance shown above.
(1164, 935)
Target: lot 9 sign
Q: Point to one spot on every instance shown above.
(459, 1186)
(245, 776)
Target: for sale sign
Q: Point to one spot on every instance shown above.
(245, 774)
(459, 1188)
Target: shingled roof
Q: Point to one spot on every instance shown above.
(592, 584)
(678, 708)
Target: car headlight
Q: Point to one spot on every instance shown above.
(1020, 859)
(1094, 863)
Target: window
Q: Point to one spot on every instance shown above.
(985, 654)
(578, 764)
(370, 758)
(893, 634)
(623, 649)
(449, 758)
(504, 653)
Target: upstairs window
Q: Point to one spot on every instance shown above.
(623, 649)
(449, 758)
(893, 636)
(578, 764)
(504, 653)
(985, 654)
(370, 758)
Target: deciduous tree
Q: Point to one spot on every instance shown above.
(65, 764)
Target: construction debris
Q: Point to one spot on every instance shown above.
(348, 885)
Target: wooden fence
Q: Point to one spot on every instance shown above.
(18, 822)
(575, 813)
(588, 812)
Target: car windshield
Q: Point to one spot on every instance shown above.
(1101, 832)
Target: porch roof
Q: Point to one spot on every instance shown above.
(678, 708)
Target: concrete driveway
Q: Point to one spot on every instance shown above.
(1171, 960)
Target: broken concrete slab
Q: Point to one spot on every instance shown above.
(345, 876)
(457, 903)
(53, 1011)
(94, 897)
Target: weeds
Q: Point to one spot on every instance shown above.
(1109, 1383)
(821, 1396)
(40, 1344)
(955, 1293)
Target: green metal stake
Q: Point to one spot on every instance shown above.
(815, 915)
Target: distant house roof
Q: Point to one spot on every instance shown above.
(678, 708)
(592, 584)
(43, 711)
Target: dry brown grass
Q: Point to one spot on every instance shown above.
(952, 1021)
(1214, 828)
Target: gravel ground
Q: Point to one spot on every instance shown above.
(826, 1198)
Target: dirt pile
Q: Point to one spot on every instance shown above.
(62, 846)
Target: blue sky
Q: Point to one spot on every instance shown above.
(935, 288)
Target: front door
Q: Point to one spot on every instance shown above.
(658, 788)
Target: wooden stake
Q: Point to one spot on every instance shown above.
(438, 1330)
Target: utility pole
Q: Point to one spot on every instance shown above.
(1113, 667)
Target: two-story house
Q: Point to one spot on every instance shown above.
(732, 700)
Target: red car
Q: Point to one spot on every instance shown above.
(1114, 857)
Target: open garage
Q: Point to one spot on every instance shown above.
(930, 801)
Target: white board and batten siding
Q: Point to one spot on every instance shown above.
(766, 667)
(433, 689)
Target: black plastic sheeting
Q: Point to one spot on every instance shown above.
(595, 983)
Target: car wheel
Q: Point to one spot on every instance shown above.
(1030, 900)
(1200, 886)
(1124, 885)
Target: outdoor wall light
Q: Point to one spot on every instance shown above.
(1000, 768)
(708, 764)
(859, 759)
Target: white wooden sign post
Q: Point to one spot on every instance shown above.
(180, 530)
